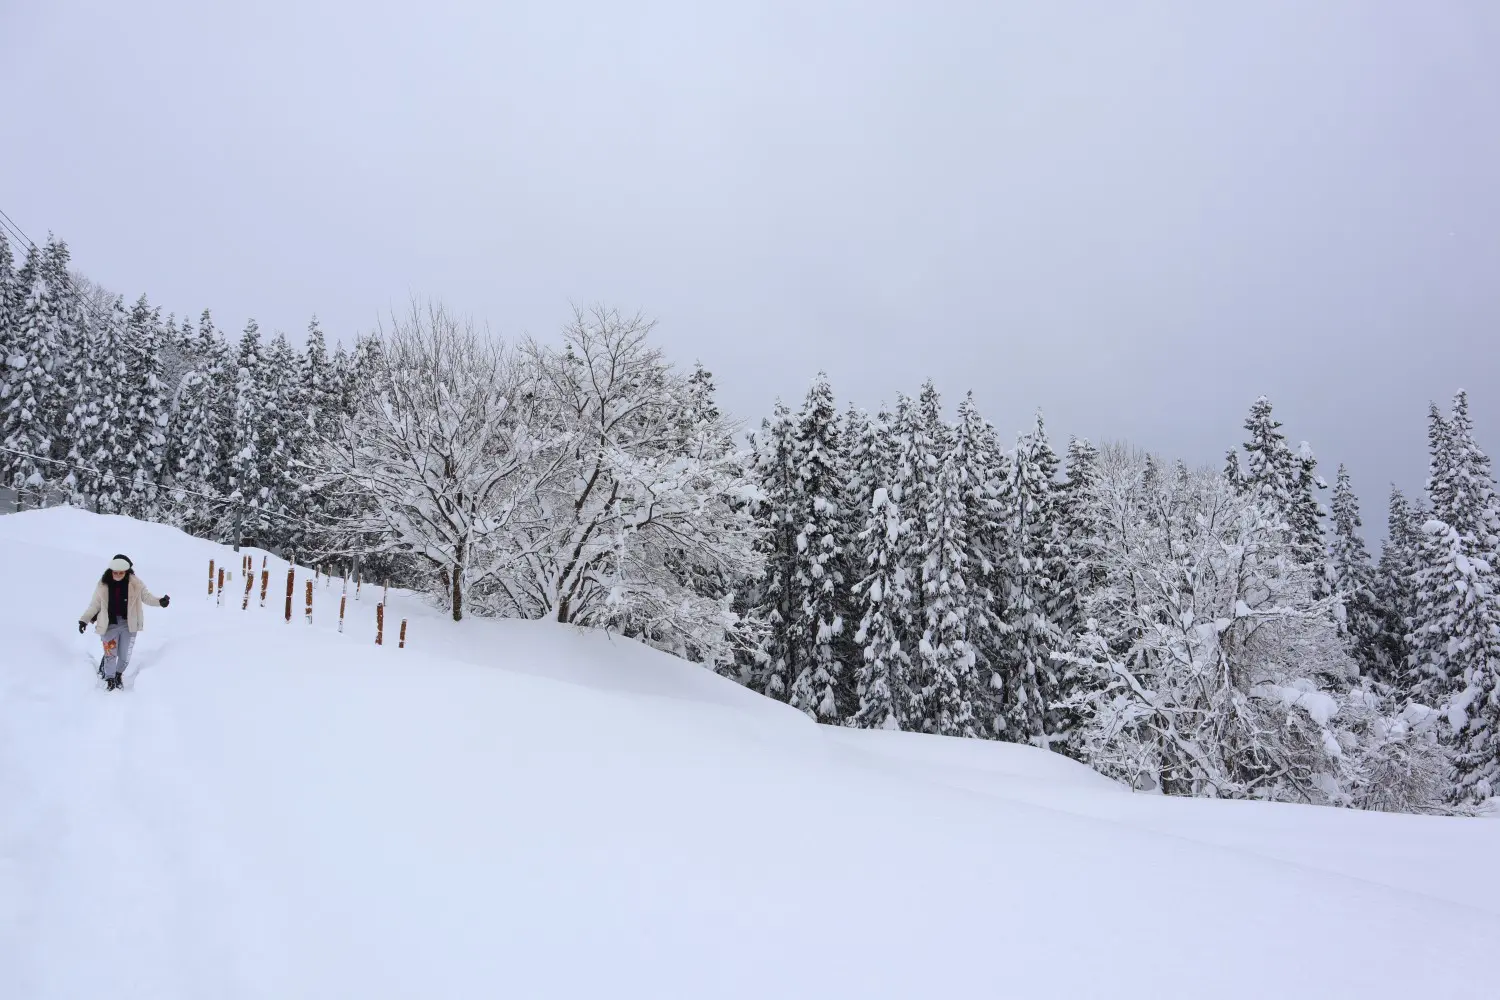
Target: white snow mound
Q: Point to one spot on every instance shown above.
(524, 809)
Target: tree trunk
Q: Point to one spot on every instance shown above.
(457, 578)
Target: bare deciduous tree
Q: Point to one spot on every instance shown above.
(438, 444)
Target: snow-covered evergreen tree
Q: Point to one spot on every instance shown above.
(953, 610)
(1455, 638)
(283, 447)
(1285, 478)
(1036, 591)
(1075, 497)
(917, 449)
(342, 374)
(1351, 578)
(772, 451)
(320, 392)
(882, 586)
(101, 448)
(1434, 680)
(821, 472)
(886, 698)
(1395, 591)
(197, 461)
(12, 302)
(35, 410)
(143, 430)
(978, 466)
(252, 402)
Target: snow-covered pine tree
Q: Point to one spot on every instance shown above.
(29, 425)
(11, 302)
(197, 463)
(143, 429)
(863, 465)
(1075, 498)
(949, 666)
(1036, 585)
(84, 377)
(1285, 478)
(74, 332)
(917, 448)
(882, 583)
(1433, 680)
(979, 464)
(102, 446)
(821, 477)
(1351, 578)
(1456, 635)
(340, 368)
(284, 446)
(772, 451)
(1395, 593)
(320, 389)
(1457, 596)
(1084, 572)
(251, 411)
(1233, 474)
(225, 392)
(363, 371)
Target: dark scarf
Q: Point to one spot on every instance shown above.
(119, 600)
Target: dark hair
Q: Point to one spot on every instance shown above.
(105, 578)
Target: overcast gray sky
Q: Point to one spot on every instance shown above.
(1136, 216)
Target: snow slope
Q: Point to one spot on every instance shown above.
(522, 809)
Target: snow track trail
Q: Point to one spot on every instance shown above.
(128, 854)
(277, 810)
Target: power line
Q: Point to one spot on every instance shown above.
(20, 236)
(11, 223)
(6, 222)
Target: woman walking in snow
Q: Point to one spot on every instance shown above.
(116, 612)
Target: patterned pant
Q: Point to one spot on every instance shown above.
(118, 642)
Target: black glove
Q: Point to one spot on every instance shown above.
(165, 600)
(82, 627)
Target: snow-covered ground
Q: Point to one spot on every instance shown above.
(521, 809)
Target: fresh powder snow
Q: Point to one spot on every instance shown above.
(525, 809)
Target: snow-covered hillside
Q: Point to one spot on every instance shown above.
(522, 809)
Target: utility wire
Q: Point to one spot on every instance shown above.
(6, 222)
(11, 224)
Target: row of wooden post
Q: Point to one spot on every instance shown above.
(216, 589)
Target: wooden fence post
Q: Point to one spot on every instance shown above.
(210, 578)
(403, 635)
(265, 585)
(309, 601)
(291, 574)
(249, 586)
(380, 624)
(221, 584)
(343, 605)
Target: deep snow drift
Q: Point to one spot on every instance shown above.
(522, 809)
